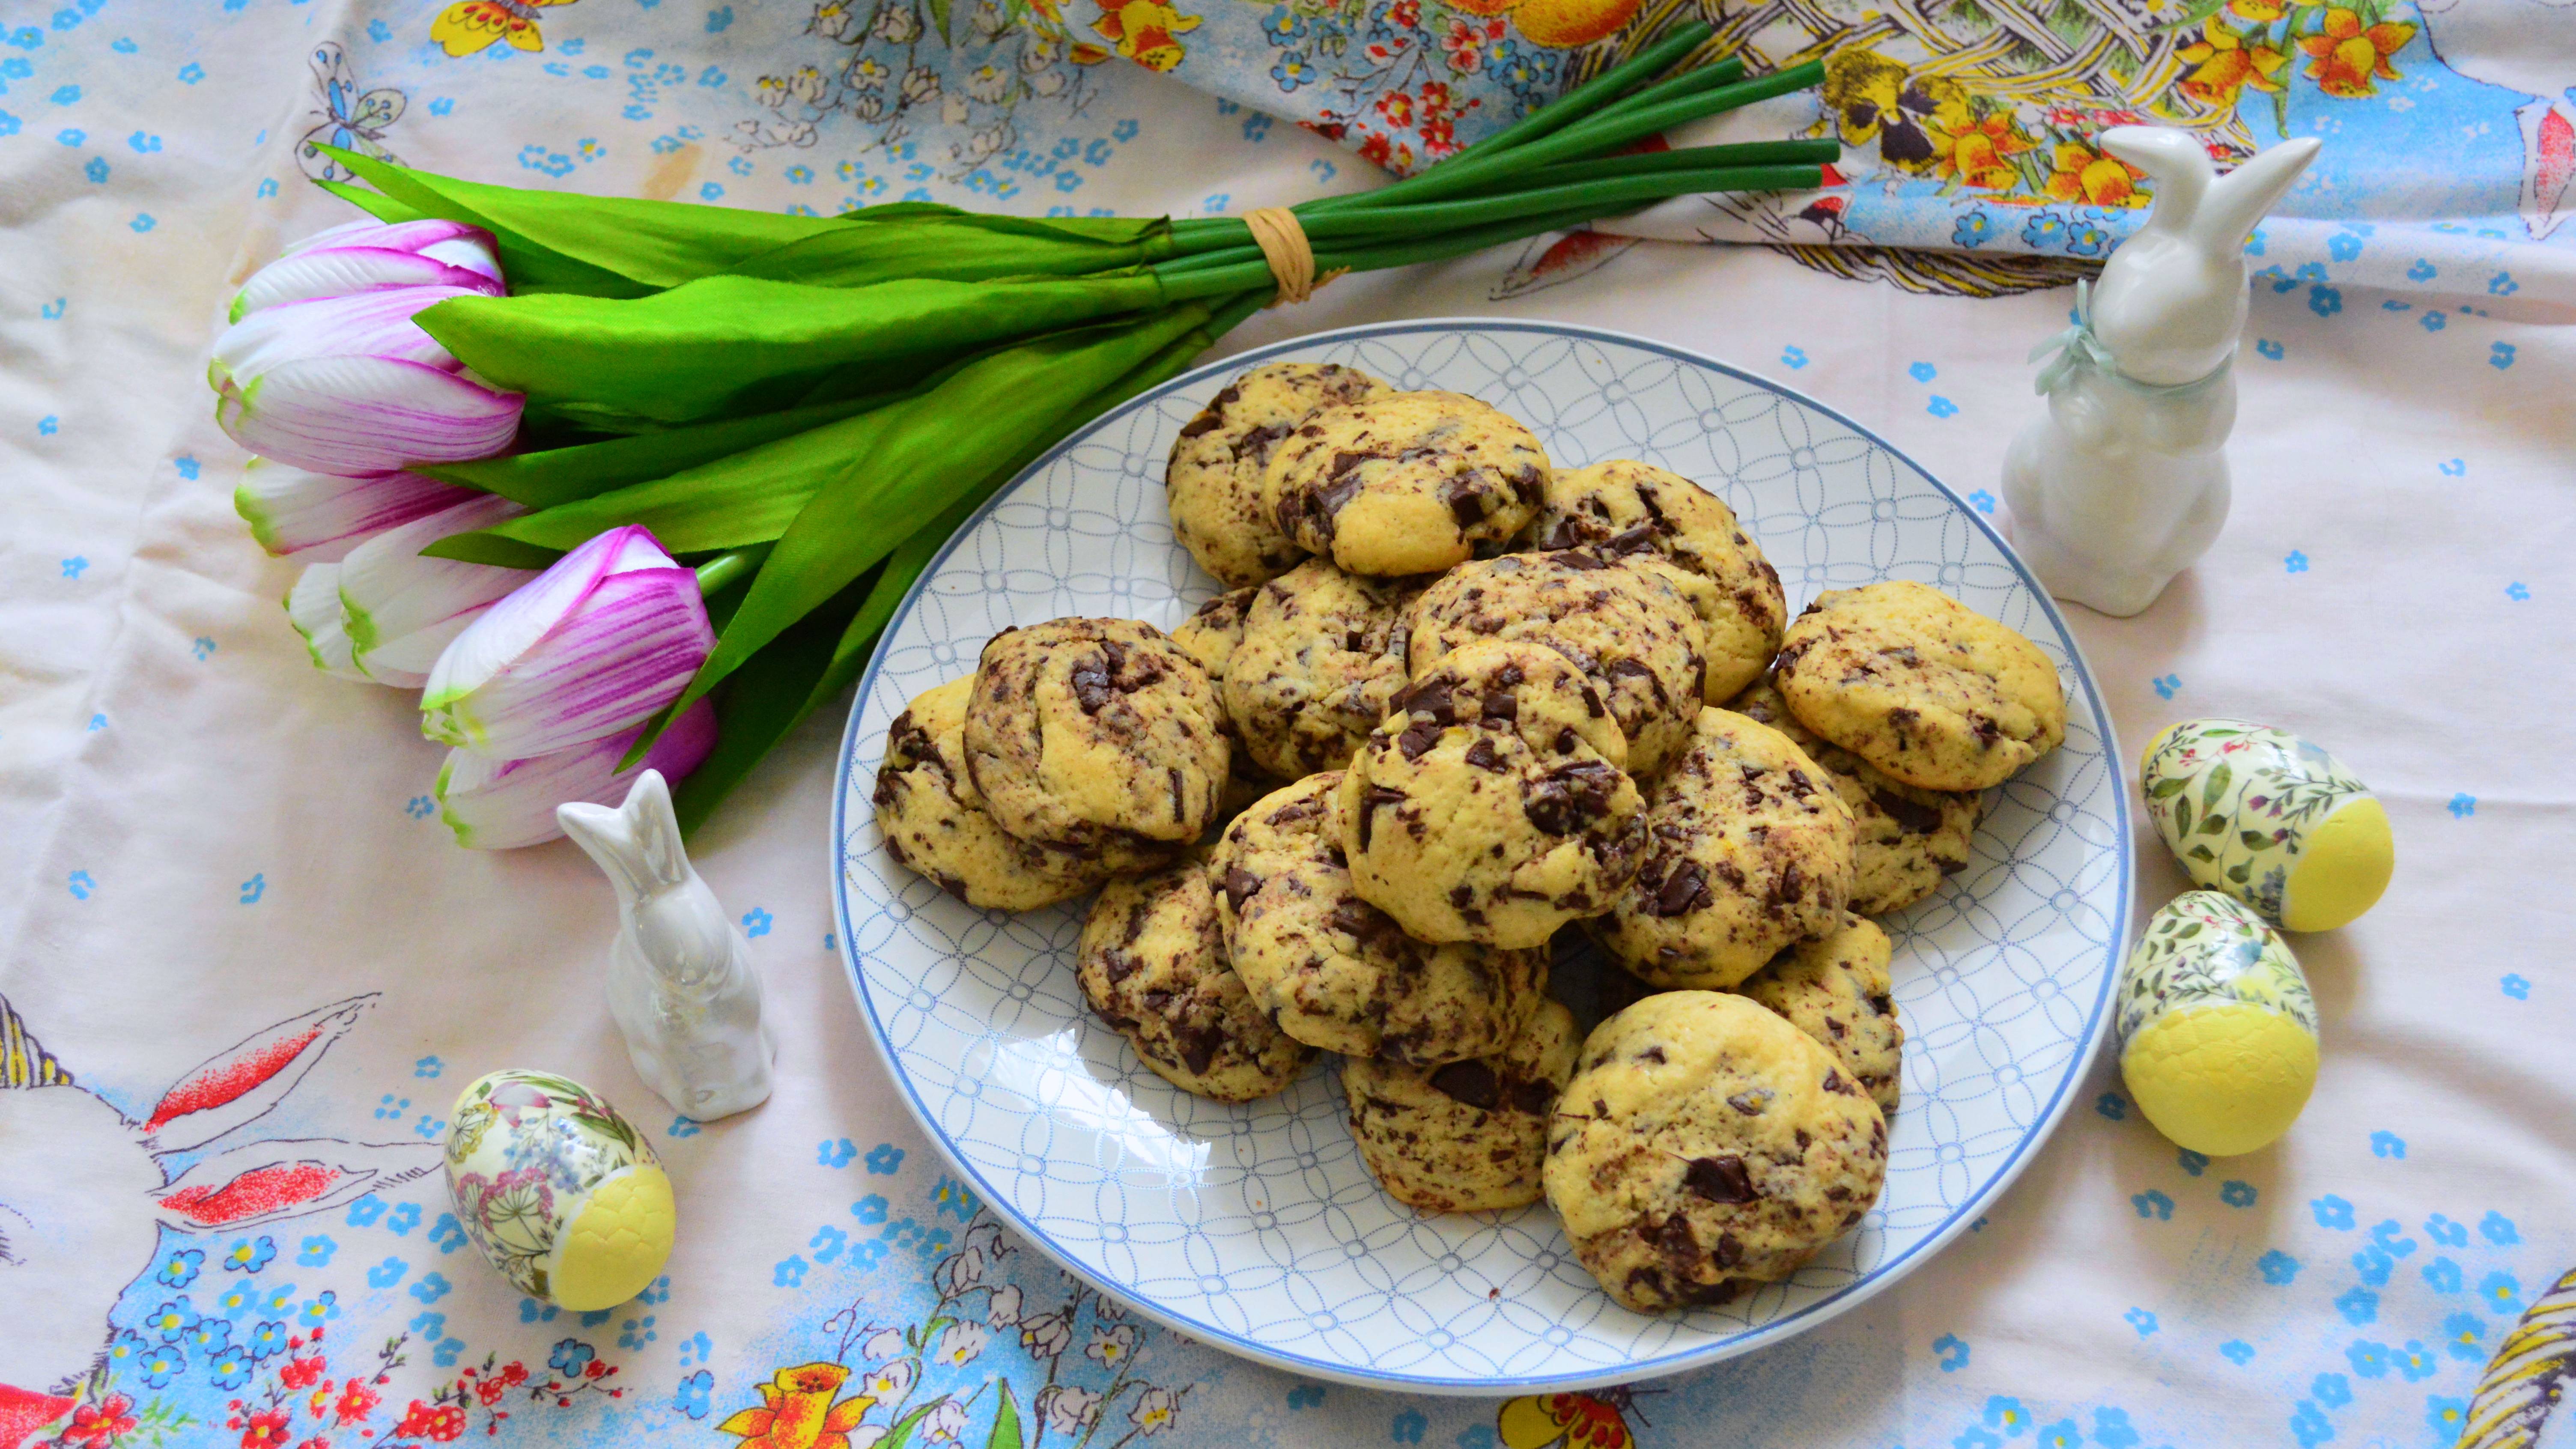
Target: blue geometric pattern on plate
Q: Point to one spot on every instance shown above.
(1255, 1228)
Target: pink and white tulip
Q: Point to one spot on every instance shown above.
(401, 609)
(324, 368)
(313, 607)
(498, 804)
(599, 643)
(369, 256)
(316, 518)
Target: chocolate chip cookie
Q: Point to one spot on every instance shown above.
(1407, 483)
(1835, 988)
(1626, 509)
(1099, 736)
(1705, 1145)
(1492, 804)
(1908, 838)
(1334, 971)
(1464, 1137)
(934, 821)
(1152, 964)
(1213, 483)
(1211, 633)
(1322, 653)
(1630, 630)
(1747, 849)
(1922, 686)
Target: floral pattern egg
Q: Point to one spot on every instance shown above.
(2217, 1027)
(2270, 819)
(558, 1189)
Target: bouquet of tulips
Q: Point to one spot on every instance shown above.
(622, 483)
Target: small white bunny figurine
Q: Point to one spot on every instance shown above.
(2122, 483)
(680, 983)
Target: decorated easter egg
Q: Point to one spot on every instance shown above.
(2217, 1028)
(2270, 819)
(558, 1189)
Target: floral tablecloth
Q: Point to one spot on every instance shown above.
(245, 971)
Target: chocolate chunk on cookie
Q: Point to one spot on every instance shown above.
(1336, 972)
(1322, 653)
(1705, 1145)
(1747, 849)
(1908, 837)
(935, 824)
(1627, 509)
(1213, 482)
(1922, 686)
(1492, 804)
(1631, 631)
(1152, 964)
(1406, 483)
(1098, 736)
(1463, 1137)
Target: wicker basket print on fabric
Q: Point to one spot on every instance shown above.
(1257, 1227)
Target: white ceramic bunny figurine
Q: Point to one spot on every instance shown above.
(680, 983)
(2123, 482)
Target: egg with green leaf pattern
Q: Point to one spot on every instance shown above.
(2271, 819)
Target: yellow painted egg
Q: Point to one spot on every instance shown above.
(558, 1190)
(2270, 819)
(2217, 1027)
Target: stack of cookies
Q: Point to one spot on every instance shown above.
(1456, 702)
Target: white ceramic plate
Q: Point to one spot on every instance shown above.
(1255, 1228)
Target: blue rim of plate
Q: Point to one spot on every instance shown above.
(1877, 1280)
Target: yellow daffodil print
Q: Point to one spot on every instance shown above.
(2345, 56)
(1143, 31)
(2225, 63)
(1977, 150)
(797, 1412)
(2080, 174)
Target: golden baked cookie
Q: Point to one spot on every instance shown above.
(1322, 652)
(1463, 1137)
(1406, 483)
(1835, 988)
(1630, 630)
(1627, 509)
(1099, 736)
(1152, 965)
(1213, 482)
(1703, 1145)
(1747, 849)
(1334, 971)
(935, 824)
(1907, 838)
(1922, 686)
(1491, 804)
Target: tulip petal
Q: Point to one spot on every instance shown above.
(318, 518)
(347, 271)
(358, 415)
(313, 606)
(367, 324)
(596, 645)
(453, 242)
(497, 804)
(401, 609)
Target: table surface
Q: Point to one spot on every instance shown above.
(202, 838)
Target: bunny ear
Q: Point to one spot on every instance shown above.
(2240, 199)
(236, 1085)
(264, 1181)
(657, 828)
(2177, 163)
(604, 836)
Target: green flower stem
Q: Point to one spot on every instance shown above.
(729, 568)
(1690, 158)
(1602, 198)
(1599, 135)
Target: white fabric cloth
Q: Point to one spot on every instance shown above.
(203, 837)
